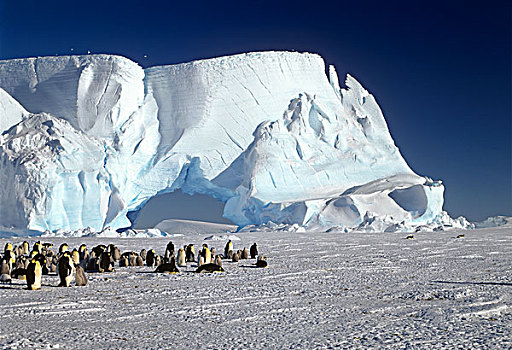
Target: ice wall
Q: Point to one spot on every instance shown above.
(269, 133)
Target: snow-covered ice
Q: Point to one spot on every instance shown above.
(322, 290)
(89, 139)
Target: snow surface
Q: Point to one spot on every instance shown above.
(268, 133)
(322, 290)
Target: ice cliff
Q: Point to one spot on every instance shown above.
(88, 139)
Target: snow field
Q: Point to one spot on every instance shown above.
(321, 290)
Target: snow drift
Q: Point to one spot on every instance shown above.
(88, 140)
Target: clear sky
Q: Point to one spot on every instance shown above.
(441, 71)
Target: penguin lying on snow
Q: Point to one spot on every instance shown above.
(209, 268)
(169, 267)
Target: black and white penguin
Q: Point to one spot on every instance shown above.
(262, 261)
(105, 262)
(151, 258)
(228, 248)
(190, 253)
(169, 267)
(209, 268)
(66, 269)
(34, 275)
(254, 251)
(169, 250)
(25, 248)
(80, 276)
(19, 273)
(218, 261)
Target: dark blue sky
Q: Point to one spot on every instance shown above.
(441, 72)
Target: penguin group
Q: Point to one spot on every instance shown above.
(21, 262)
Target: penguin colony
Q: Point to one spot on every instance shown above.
(21, 262)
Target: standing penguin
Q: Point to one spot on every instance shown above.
(66, 268)
(151, 258)
(169, 250)
(245, 254)
(218, 261)
(80, 277)
(206, 254)
(75, 256)
(105, 262)
(236, 257)
(143, 254)
(181, 258)
(254, 251)
(25, 248)
(228, 248)
(34, 273)
(190, 253)
(6, 268)
(63, 248)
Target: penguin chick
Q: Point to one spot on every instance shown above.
(245, 254)
(19, 273)
(236, 257)
(143, 254)
(34, 274)
(80, 276)
(209, 268)
(262, 261)
(66, 268)
(254, 251)
(105, 262)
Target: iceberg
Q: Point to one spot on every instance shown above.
(88, 140)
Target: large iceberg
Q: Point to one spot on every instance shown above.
(88, 140)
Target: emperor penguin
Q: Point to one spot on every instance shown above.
(169, 250)
(227, 248)
(200, 261)
(209, 268)
(218, 261)
(105, 261)
(6, 268)
(80, 277)
(236, 257)
(75, 256)
(114, 252)
(190, 253)
(19, 273)
(245, 254)
(254, 251)
(66, 269)
(38, 247)
(25, 248)
(139, 261)
(169, 267)
(262, 261)
(143, 254)
(34, 274)
(124, 262)
(206, 254)
(63, 248)
(151, 258)
(181, 258)
(7, 247)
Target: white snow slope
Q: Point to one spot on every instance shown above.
(320, 291)
(268, 133)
